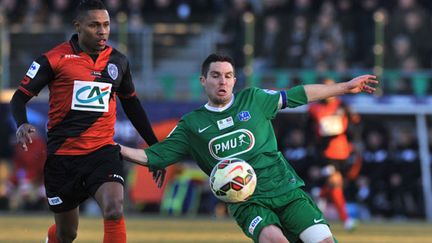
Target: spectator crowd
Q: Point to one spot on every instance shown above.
(323, 35)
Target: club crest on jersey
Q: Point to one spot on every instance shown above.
(33, 69)
(244, 116)
(225, 123)
(112, 71)
(231, 144)
(91, 96)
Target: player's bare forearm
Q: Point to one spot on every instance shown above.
(137, 156)
(356, 85)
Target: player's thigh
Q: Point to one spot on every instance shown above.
(109, 169)
(299, 215)
(63, 190)
(253, 218)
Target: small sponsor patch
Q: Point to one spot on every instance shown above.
(254, 224)
(224, 123)
(95, 73)
(54, 201)
(33, 70)
(270, 91)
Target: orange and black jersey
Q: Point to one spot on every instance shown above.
(82, 99)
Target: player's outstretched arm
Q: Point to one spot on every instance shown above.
(25, 130)
(137, 156)
(356, 85)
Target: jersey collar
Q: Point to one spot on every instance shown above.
(220, 109)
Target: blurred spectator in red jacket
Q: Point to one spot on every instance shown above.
(27, 190)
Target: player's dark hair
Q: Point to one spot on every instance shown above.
(87, 5)
(214, 58)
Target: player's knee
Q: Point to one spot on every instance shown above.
(272, 234)
(317, 233)
(113, 210)
(66, 235)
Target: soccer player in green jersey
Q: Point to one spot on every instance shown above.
(239, 125)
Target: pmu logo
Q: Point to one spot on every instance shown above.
(91, 96)
(231, 144)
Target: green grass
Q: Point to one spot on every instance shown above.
(149, 228)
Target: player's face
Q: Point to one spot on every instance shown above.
(219, 83)
(93, 30)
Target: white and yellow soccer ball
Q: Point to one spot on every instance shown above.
(233, 180)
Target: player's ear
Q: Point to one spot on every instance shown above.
(76, 25)
(202, 80)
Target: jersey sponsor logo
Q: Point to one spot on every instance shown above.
(71, 56)
(316, 221)
(231, 144)
(200, 130)
(270, 91)
(225, 123)
(116, 176)
(254, 224)
(54, 201)
(33, 69)
(244, 116)
(112, 71)
(91, 96)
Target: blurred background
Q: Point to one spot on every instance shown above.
(276, 44)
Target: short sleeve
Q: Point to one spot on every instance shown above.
(268, 100)
(171, 150)
(294, 97)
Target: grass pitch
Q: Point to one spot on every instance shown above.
(149, 228)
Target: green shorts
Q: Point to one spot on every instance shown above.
(292, 212)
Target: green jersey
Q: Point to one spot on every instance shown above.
(242, 129)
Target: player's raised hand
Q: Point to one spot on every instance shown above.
(24, 135)
(364, 83)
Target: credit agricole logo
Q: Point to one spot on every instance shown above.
(91, 96)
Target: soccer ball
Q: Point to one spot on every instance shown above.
(233, 180)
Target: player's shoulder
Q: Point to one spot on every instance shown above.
(255, 91)
(119, 58)
(118, 54)
(59, 51)
(194, 114)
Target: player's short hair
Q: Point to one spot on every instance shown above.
(87, 5)
(214, 58)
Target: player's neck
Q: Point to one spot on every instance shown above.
(219, 108)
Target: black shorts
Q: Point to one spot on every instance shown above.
(71, 179)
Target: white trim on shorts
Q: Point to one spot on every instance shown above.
(315, 233)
